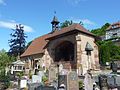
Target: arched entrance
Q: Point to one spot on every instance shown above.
(64, 53)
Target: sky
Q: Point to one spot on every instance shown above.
(36, 15)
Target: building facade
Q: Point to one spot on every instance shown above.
(113, 31)
(64, 46)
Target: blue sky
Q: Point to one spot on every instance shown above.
(36, 15)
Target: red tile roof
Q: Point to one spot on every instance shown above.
(37, 46)
(114, 26)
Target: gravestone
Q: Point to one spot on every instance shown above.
(88, 81)
(33, 86)
(45, 88)
(36, 79)
(73, 81)
(60, 68)
(117, 79)
(103, 82)
(52, 73)
(111, 81)
(23, 83)
(114, 67)
(62, 80)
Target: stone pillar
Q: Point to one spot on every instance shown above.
(78, 54)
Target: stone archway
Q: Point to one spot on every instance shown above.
(64, 53)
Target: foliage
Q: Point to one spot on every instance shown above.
(5, 59)
(28, 44)
(100, 31)
(80, 85)
(4, 79)
(44, 78)
(20, 74)
(67, 23)
(30, 74)
(108, 51)
(17, 43)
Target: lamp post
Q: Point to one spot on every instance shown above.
(88, 50)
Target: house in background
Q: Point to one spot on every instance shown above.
(17, 66)
(66, 46)
(113, 31)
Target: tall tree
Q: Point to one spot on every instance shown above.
(17, 43)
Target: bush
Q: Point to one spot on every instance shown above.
(4, 79)
(80, 85)
(44, 79)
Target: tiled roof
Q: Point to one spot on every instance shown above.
(114, 26)
(37, 46)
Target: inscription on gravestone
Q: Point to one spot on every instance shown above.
(73, 81)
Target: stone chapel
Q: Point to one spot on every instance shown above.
(74, 47)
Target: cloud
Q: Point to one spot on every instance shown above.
(11, 25)
(87, 21)
(84, 21)
(75, 2)
(2, 2)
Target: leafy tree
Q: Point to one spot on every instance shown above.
(67, 23)
(5, 59)
(100, 31)
(108, 51)
(28, 44)
(17, 43)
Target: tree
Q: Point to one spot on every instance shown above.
(17, 43)
(100, 31)
(67, 23)
(5, 59)
(28, 44)
(108, 51)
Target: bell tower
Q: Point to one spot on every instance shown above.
(55, 23)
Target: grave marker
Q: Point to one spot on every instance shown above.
(73, 81)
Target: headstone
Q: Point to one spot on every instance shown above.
(34, 86)
(114, 67)
(88, 82)
(52, 73)
(36, 79)
(45, 88)
(110, 81)
(41, 73)
(62, 80)
(73, 81)
(60, 68)
(103, 82)
(23, 83)
(117, 79)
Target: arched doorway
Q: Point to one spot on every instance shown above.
(64, 52)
